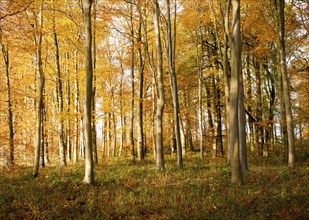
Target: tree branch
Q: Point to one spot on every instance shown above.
(16, 12)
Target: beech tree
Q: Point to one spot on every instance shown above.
(160, 95)
(171, 41)
(285, 83)
(89, 169)
(5, 53)
(236, 65)
(37, 29)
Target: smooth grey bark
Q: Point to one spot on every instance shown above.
(219, 141)
(62, 150)
(94, 59)
(122, 116)
(89, 167)
(141, 143)
(249, 105)
(132, 84)
(173, 79)
(114, 122)
(242, 126)
(77, 108)
(5, 54)
(259, 110)
(209, 88)
(235, 43)
(200, 62)
(41, 82)
(154, 84)
(285, 84)
(160, 94)
(43, 140)
(226, 73)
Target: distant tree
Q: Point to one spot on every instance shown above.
(5, 54)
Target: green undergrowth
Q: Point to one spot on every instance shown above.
(124, 190)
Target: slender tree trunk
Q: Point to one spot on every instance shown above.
(209, 104)
(271, 105)
(219, 141)
(43, 140)
(227, 76)
(68, 120)
(41, 81)
(217, 91)
(249, 94)
(285, 85)
(5, 53)
(160, 95)
(200, 94)
(141, 143)
(94, 59)
(154, 84)
(259, 110)
(153, 121)
(60, 100)
(89, 169)
(114, 123)
(109, 135)
(132, 85)
(173, 79)
(77, 118)
(121, 111)
(242, 126)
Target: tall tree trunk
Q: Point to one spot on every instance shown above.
(122, 116)
(217, 90)
(209, 88)
(41, 81)
(219, 141)
(62, 150)
(77, 118)
(68, 120)
(259, 110)
(94, 59)
(200, 62)
(141, 143)
(114, 122)
(227, 74)
(242, 126)
(285, 85)
(43, 140)
(132, 84)
(5, 54)
(249, 94)
(235, 43)
(173, 79)
(160, 95)
(271, 105)
(89, 169)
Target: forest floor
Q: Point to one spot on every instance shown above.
(124, 190)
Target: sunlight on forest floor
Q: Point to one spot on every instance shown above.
(137, 191)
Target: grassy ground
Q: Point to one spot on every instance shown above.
(137, 191)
